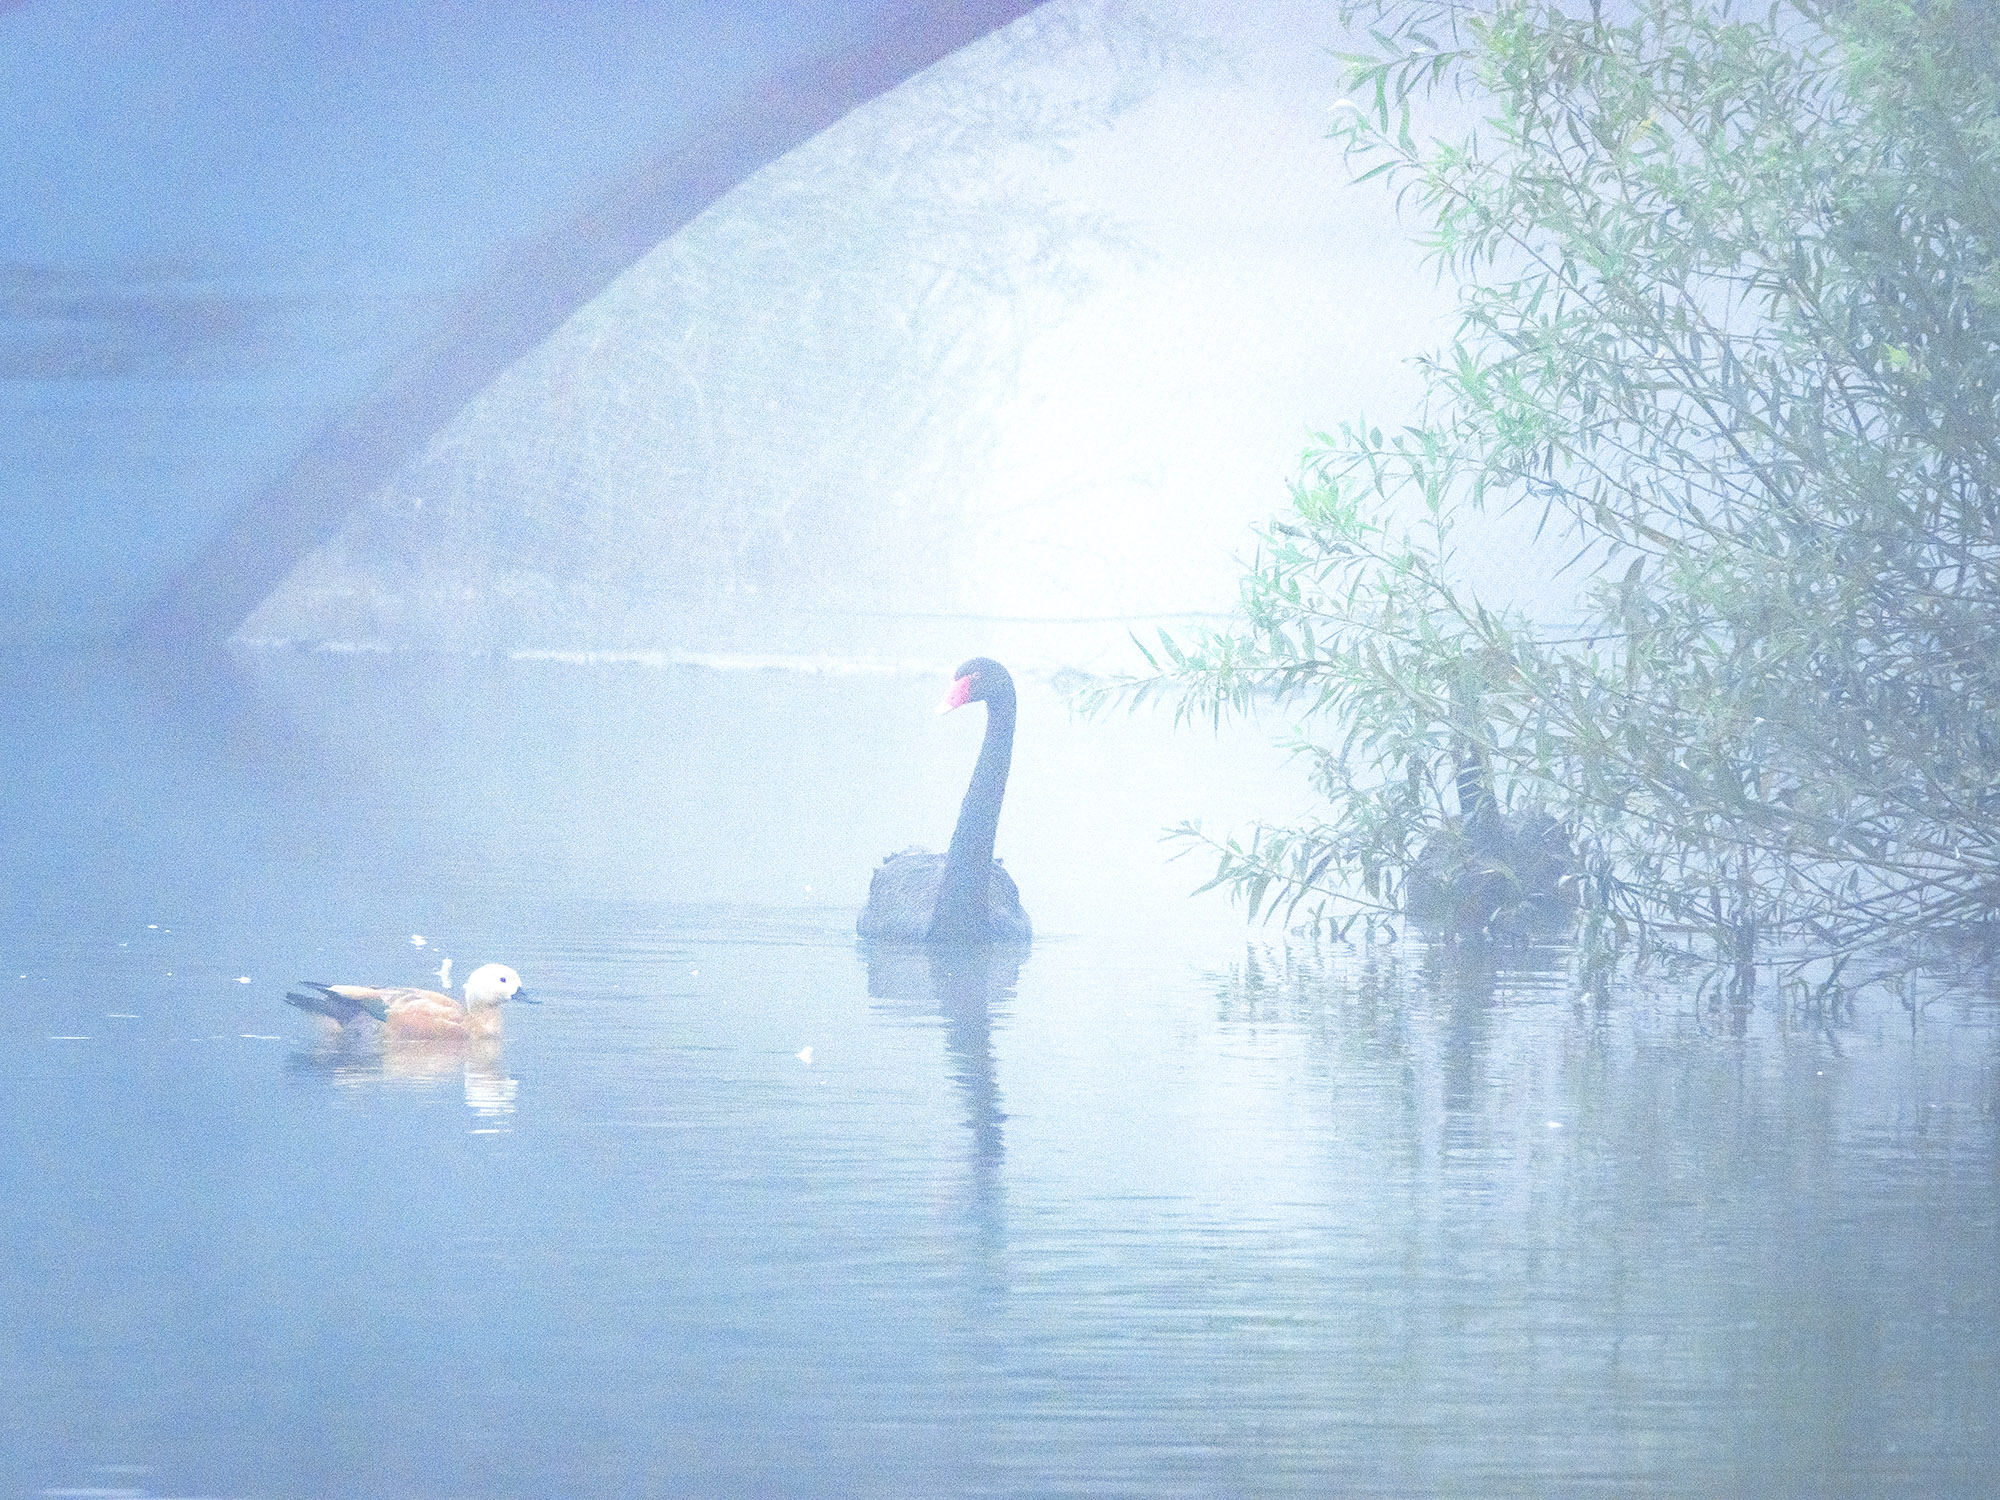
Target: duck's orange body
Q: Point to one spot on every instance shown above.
(425, 1013)
(413, 1013)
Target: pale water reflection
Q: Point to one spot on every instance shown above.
(360, 1060)
(745, 1209)
(966, 990)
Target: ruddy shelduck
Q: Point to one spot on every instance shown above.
(419, 1013)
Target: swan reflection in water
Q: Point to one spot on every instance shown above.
(960, 986)
(479, 1065)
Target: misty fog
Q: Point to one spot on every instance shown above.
(598, 591)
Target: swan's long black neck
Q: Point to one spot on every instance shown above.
(960, 913)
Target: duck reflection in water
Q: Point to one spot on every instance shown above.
(961, 985)
(480, 1065)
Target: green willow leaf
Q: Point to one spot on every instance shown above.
(1730, 333)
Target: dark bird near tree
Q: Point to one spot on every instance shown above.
(1488, 870)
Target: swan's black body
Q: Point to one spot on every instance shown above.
(963, 895)
(903, 901)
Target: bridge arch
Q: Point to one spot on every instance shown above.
(537, 286)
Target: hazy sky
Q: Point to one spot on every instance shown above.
(1036, 336)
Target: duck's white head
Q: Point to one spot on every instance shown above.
(489, 984)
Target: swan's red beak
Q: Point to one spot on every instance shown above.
(958, 697)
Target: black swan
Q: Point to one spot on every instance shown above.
(1491, 871)
(963, 896)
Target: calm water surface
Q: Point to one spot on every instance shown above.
(1156, 1208)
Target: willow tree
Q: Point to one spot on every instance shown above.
(1729, 331)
